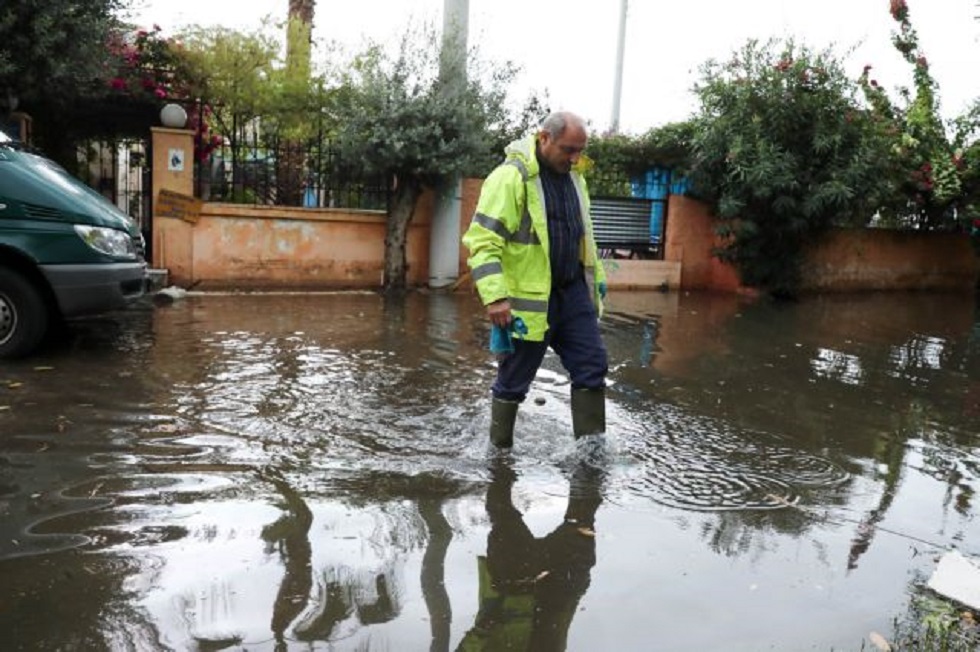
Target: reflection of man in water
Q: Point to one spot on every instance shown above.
(530, 588)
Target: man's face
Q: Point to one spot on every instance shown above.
(561, 152)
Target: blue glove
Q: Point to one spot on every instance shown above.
(501, 337)
(602, 289)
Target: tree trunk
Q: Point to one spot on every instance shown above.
(290, 166)
(400, 214)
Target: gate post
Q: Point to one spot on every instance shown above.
(173, 170)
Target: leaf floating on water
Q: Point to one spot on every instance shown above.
(880, 642)
(14, 385)
(785, 501)
(542, 575)
(4, 407)
(43, 368)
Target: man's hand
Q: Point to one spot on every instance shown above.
(499, 313)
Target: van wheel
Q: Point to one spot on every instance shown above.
(23, 315)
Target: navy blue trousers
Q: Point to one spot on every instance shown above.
(573, 334)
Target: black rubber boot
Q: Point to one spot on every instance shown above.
(588, 411)
(503, 414)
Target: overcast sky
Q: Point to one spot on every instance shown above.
(568, 47)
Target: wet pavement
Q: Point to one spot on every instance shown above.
(276, 472)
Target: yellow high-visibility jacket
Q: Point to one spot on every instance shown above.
(508, 239)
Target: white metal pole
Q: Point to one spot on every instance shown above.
(618, 78)
(444, 231)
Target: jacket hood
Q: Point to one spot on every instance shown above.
(523, 149)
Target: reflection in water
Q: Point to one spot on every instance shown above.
(308, 471)
(530, 587)
(290, 535)
(346, 602)
(433, 576)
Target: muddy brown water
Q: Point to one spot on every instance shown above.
(311, 471)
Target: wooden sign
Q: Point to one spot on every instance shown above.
(182, 207)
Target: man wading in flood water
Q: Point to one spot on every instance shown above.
(533, 260)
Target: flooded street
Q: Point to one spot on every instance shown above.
(312, 471)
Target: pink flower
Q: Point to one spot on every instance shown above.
(160, 92)
(118, 84)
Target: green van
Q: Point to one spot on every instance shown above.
(65, 251)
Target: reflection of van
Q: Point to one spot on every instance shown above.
(65, 250)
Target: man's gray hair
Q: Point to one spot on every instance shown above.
(556, 123)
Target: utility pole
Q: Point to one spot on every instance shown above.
(455, 33)
(444, 231)
(618, 78)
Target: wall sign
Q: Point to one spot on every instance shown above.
(175, 159)
(179, 206)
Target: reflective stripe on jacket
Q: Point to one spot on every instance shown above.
(508, 239)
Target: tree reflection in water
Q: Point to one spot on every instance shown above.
(290, 535)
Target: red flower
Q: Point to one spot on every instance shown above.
(899, 9)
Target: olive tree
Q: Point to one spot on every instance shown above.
(399, 119)
(784, 149)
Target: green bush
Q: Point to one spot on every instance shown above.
(783, 150)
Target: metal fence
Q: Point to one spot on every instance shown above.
(622, 227)
(119, 170)
(271, 171)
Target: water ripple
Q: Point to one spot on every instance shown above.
(693, 462)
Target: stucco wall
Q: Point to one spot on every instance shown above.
(875, 259)
(689, 239)
(273, 247)
(845, 260)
